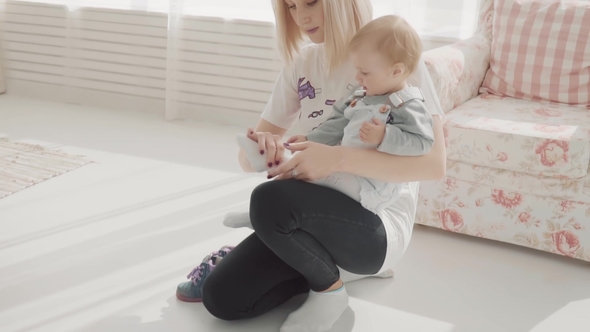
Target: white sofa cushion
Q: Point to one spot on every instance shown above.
(541, 139)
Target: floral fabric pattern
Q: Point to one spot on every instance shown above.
(554, 225)
(535, 138)
(547, 186)
(458, 70)
(517, 170)
(486, 18)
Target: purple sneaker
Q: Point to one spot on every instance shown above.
(192, 291)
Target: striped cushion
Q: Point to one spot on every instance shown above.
(541, 51)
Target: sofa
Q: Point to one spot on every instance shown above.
(517, 128)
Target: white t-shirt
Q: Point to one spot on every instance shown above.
(304, 92)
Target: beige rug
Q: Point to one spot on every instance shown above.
(23, 165)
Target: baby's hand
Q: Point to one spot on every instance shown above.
(372, 132)
(297, 139)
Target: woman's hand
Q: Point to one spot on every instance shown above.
(297, 139)
(270, 144)
(314, 161)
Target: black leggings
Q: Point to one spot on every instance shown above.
(302, 232)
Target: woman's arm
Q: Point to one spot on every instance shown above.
(392, 168)
(265, 127)
(315, 161)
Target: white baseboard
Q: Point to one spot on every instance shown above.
(217, 115)
(113, 101)
(79, 96)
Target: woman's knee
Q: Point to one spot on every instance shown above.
(271, 207)
(217, 302)
(268, 192)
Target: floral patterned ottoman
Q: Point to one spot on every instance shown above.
(517, 172)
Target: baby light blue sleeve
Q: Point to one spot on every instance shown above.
(331, 131)
(411, 133)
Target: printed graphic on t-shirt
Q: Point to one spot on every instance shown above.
(306, 90)
(330, 102)
(315, 114)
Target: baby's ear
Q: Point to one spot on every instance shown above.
(398, 69)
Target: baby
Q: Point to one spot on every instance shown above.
(383, 113)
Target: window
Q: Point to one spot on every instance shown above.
(259, 10)
(450, 18)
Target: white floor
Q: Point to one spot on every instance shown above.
(102, 248)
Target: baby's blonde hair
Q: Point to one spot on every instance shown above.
(342, 20)
(393, 38)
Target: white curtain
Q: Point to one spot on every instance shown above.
(2, 88)
(176, 10)
(434, 18)
(203, 59)
(2, 84)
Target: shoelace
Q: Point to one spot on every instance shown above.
(224, 249)
(198, 271)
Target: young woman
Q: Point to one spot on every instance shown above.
(305, 234)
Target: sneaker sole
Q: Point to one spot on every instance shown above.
(188, 299)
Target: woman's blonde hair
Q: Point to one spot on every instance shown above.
(342, 20)
(393, 38)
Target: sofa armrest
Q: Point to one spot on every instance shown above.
(458, 70)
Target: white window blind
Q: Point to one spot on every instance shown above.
(452, 18)
(208, 60)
